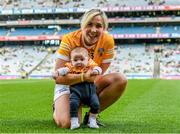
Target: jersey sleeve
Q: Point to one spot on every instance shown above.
(64, 49)
(109, 50)
(91, 63)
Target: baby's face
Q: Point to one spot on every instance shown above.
(78, 60)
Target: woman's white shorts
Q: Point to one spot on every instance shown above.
(60, 90)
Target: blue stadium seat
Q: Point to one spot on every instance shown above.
(31, 31)
(3, 32)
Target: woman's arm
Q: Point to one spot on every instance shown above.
(71, 79)
(88, 77)
(104, 67)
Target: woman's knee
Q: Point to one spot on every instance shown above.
(62, 122)
(116, 78)
(121, 80)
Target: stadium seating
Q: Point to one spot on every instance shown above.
(112, 30)
(3, 32)
(28, 4)
(65, 30)
(132, 30)
(170, 29)
(16, 59)
(126, 60)
(170, 62)
(31, 31)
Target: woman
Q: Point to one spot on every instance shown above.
(100, 45)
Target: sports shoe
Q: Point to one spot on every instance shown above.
(86, 120)
(92, 122)
(75, 126)
(74, 123)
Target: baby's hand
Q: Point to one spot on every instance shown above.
(63, 71)
(55, 74)
(94, 72)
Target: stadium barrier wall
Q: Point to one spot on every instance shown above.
(116, 36)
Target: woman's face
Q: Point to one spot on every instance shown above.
(93, 30)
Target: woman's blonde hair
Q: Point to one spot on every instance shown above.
(88, 15)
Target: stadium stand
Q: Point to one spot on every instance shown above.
(127, 60)
(139, 58)
(31, 31)
(170, 59)
(17, 59)
(112, 30)
(28, 41)
(3, 32)
(9, 4)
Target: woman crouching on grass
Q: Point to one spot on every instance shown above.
(100, 45)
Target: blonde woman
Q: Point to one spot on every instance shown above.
(93, 36)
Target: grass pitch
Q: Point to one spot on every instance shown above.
(147, 106)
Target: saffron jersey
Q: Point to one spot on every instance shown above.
(72, 69)
(103, 51)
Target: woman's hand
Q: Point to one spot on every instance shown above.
(55, 75)
(63, 71)
(94, 72)
(89, 76)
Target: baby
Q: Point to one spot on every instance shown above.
(84, 92)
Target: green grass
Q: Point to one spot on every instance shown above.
(147, 106)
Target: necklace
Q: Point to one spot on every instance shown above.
(89, 47)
